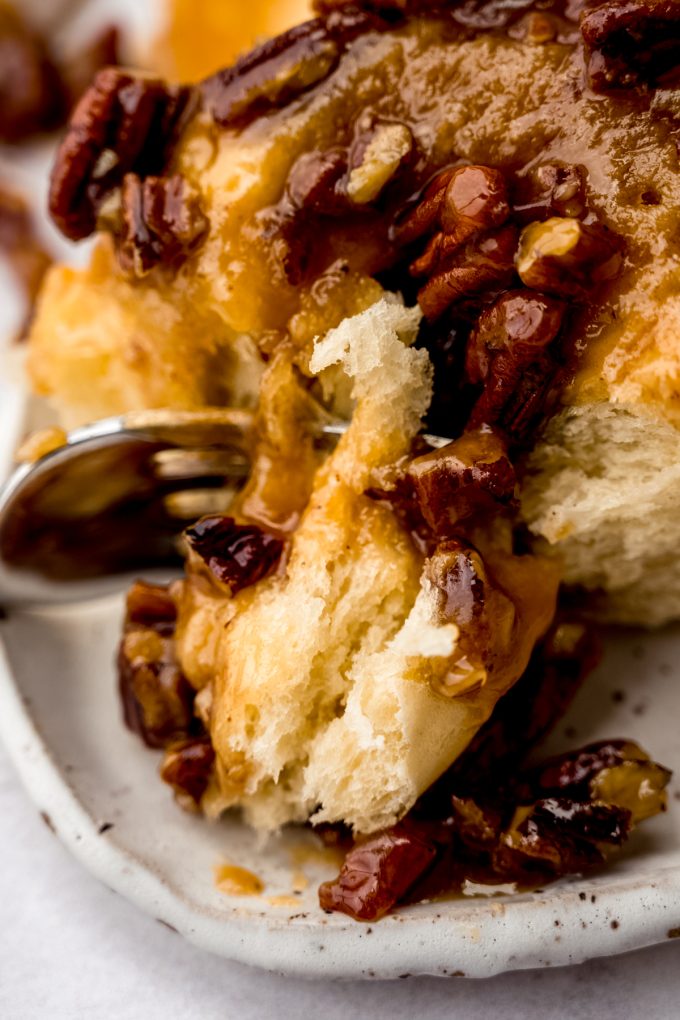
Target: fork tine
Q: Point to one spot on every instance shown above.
(178, 464)
(187, 505)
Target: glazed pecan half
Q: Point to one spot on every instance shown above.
(161, 222)
(282, 68)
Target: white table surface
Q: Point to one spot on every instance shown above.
(70, 948)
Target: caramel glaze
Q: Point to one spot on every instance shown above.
(495, 84)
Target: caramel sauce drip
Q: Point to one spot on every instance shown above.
(233, 880)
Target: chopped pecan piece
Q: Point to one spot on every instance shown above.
(506, 353)
(478, 825)
(520, 322)
(419, 218)
(157, 699)
(151, 605)
(470, 476)
(312, 184)
(565, 257)
(632, 42)
(32, 94)
(581, 803)
(161, 222)
(480, 266)
(578, 774)
(551, 189)
(187, 767)
(468, 595)
(475, 199)
(375, 160)
(378, 873)
(237, 555)
(123, 124)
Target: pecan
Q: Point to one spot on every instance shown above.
(632, 42)
(458, 573)
(576, 774)
(237, 555)
(375, 159)
(151, 605)
(582, 802)
(520, 323)
(32, 94)
(468, 595)
(312, 184)
(282, 68)
(161, 222)
(479, 266)
(123, 124)
(475, 199)
(494, 834)
(566, 257)
(421, 216)
(187, 767)
(155, 696)
(507, 353)
(478, 825)
(378, 873)
(157, 699)
(469, 477)
(534, 847)
(552, 189)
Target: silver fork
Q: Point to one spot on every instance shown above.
(114, 499)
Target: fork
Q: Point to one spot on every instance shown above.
(115, 498)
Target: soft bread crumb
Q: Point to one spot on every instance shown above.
(603, 489)
(323, 702)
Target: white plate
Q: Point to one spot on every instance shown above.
(97, 787)
(60, 719)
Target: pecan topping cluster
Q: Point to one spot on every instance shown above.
(345, 186)
(157, 699)
(503, 262)
(120, 135)
(562, 818)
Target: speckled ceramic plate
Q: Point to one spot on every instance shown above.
(97, 788)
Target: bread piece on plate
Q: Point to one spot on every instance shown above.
(327, 678)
